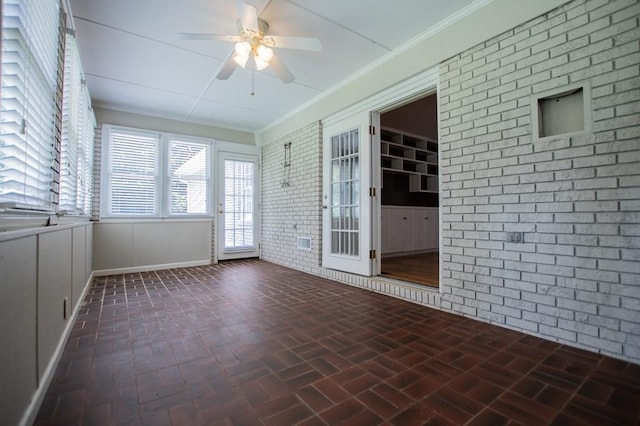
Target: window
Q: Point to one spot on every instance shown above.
(188, 177)
(46, 127)
(28, 102)
(136, 183)
(133, 173)
(78, 131)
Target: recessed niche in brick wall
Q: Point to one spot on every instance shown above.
(563, 111)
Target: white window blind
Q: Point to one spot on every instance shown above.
(70, 121)
(78, 130)
(133, 173)
(86, 137)
(28, 101)
(188, 177)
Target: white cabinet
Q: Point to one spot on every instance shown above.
(391, 238)
(425, 229)
(412, 155)
(409, 229)
(397, 229)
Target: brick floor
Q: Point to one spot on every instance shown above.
(249, 343)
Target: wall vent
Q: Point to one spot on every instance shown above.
(304, 243)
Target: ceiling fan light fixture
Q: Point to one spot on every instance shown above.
(265, 53)
(240, 60)
(260, 63)
(243, 48)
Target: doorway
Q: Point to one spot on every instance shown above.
(238, 212)
(409, 211)
(339, 229)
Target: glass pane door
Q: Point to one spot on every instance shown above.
(346, 221)
(237, 207)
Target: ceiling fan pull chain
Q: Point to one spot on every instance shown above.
(253, 83)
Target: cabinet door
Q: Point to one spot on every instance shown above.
(425, 228)
(386, 228)
(431, 219)
(391, 232)
(436, 229)
(394, 230)
(407, 229)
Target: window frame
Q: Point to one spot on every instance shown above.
(163, 179)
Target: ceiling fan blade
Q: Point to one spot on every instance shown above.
(207, 36)
(300, 43)
(227, 69)
(248, 17)
(281, 71)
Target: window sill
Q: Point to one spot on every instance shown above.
(13, 207)
(137, 219)
(12, 229)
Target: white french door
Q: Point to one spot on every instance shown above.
(346, 204)
(237, 209)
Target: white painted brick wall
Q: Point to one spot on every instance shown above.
(576, 279)
(293, 210)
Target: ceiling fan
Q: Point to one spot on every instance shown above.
(254, 46)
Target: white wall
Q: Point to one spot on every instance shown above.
(576, 277)
(39, 268)
(121, 118)
(122, 246)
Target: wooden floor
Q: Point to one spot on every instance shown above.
(418, 268)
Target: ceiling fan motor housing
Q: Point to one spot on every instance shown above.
(249, 35)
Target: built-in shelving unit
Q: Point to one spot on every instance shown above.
(414, 155)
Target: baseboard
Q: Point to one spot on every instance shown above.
(147, 268)
(31, 413)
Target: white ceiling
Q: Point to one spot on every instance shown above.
(134, 61)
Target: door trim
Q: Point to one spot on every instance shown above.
(223, 149)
